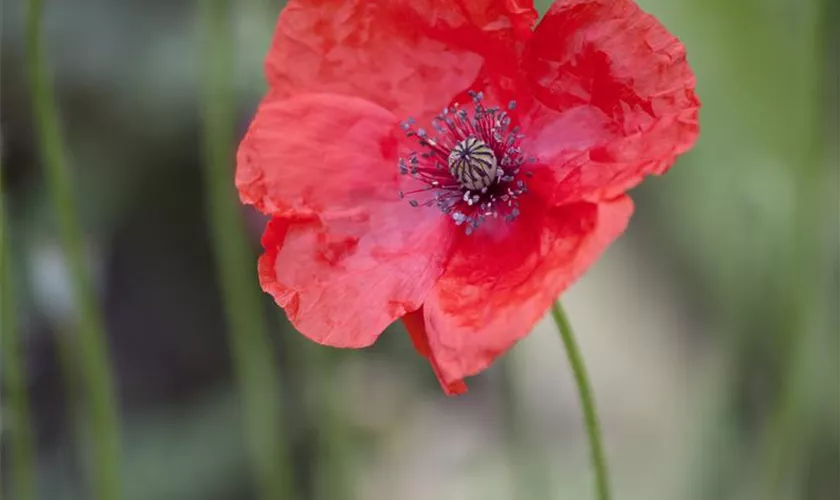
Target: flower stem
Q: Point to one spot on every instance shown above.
(92, 355)
(253, 353)
(587, 401)
(14, 375)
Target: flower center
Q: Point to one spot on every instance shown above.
(473, 163)
(472, 169)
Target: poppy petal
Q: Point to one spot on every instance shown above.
(343, 279)
(318, 152)
(344, 255)
(615, 97)
(409, 57)
(414, 324)
(482, 306)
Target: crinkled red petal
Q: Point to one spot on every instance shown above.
(343, 279)
(410, 57)
(488, 299)
(414, 324)
(315, 153)
(344, 256)
(615, 97)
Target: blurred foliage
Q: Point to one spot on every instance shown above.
(746, 226)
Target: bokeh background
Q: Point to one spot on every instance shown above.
(710, 329)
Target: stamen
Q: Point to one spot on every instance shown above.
(472, 166)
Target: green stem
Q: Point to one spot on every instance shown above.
(587, 401)
(253, 355)
(14, 375)
(92, 356)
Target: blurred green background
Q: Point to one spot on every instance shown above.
(710, 329)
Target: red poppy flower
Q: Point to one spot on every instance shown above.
(446, 163)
